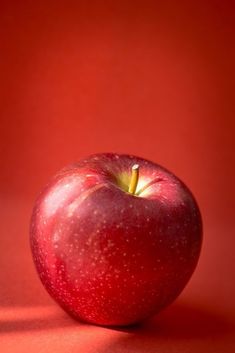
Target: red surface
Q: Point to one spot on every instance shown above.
(149, 78)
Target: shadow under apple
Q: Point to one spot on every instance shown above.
(179, 326)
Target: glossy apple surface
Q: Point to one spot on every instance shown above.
(110, 257)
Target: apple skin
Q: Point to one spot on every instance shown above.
(109, 257)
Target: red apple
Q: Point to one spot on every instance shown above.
(113, 247)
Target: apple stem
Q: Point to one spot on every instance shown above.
(134, 179)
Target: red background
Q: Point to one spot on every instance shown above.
(152, 78)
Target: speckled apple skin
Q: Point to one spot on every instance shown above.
(106, 256)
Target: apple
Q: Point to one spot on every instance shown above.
(115, 238)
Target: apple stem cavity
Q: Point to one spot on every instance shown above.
(134, 179)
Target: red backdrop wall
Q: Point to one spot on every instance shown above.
(154, 79)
